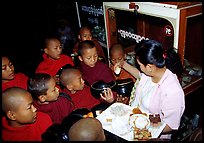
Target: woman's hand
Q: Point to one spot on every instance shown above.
(107, 95)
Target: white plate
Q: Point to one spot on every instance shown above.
(139, 120)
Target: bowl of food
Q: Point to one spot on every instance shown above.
(98, 87)
(124, 87)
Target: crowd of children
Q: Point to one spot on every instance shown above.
(47, 97)
(32, 104)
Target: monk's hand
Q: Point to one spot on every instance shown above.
(121, 99)
(107, 95)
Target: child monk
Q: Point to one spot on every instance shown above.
(22, 121)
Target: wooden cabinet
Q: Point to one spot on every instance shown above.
(174, 24)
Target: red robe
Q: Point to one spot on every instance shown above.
(51, 66)
(57, 110)
(29, 132)
(83, 98)
(20, 80)
(101, 71)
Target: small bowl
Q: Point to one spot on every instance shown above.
(124, 87)
(98, 87)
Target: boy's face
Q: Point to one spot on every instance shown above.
(26, 112)
(89, 57)
(7, 69)
(52, 92)
(85, 35)
(117, 56)
(53, 49)
(77, 82)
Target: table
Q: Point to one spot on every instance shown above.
(128, 135)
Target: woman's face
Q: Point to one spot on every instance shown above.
(89, 57)
(7, 70)
(53, 49)
(145, 69)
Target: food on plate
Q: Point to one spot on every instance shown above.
(155, 120)
(119, 110)
(108, 119)
(98, 112)
(90, 114)
(141, 134)
(136, 111)
(139, 121)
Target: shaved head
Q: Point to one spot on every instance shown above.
(87, 129)
(12, 98)
(67, 75)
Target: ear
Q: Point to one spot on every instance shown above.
(80, 58)
(11, 115)
(79, 37)
(46, 50)
(150, 67)
(42, 98)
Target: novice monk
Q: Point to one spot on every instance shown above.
(22, 122)
(87, 129)
(92, 69)
(117, 54)
(9, 77)
(71, 79)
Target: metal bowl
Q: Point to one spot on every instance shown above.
(124, 87)
(98, 87)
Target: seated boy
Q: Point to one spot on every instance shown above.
(9, 77)
(87, 129)
(53, 58)
(22, 122)
(92, 69)
(80, 93)
(117, 54)
(47, 99)
(86, 34)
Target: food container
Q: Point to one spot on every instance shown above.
(98, 87)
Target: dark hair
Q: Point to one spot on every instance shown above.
(87, 44)
(152, 52)
(37, 84)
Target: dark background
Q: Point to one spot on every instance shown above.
(26, 24)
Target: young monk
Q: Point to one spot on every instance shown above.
(87, 129)
(53, 59)
(74, 86)
(92, 69)
(9, 77)
(47, 97)
(86, 34)
(22, 122)
(117, 54)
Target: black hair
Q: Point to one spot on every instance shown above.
(152, 52)
(37, 84)
(87, 44)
